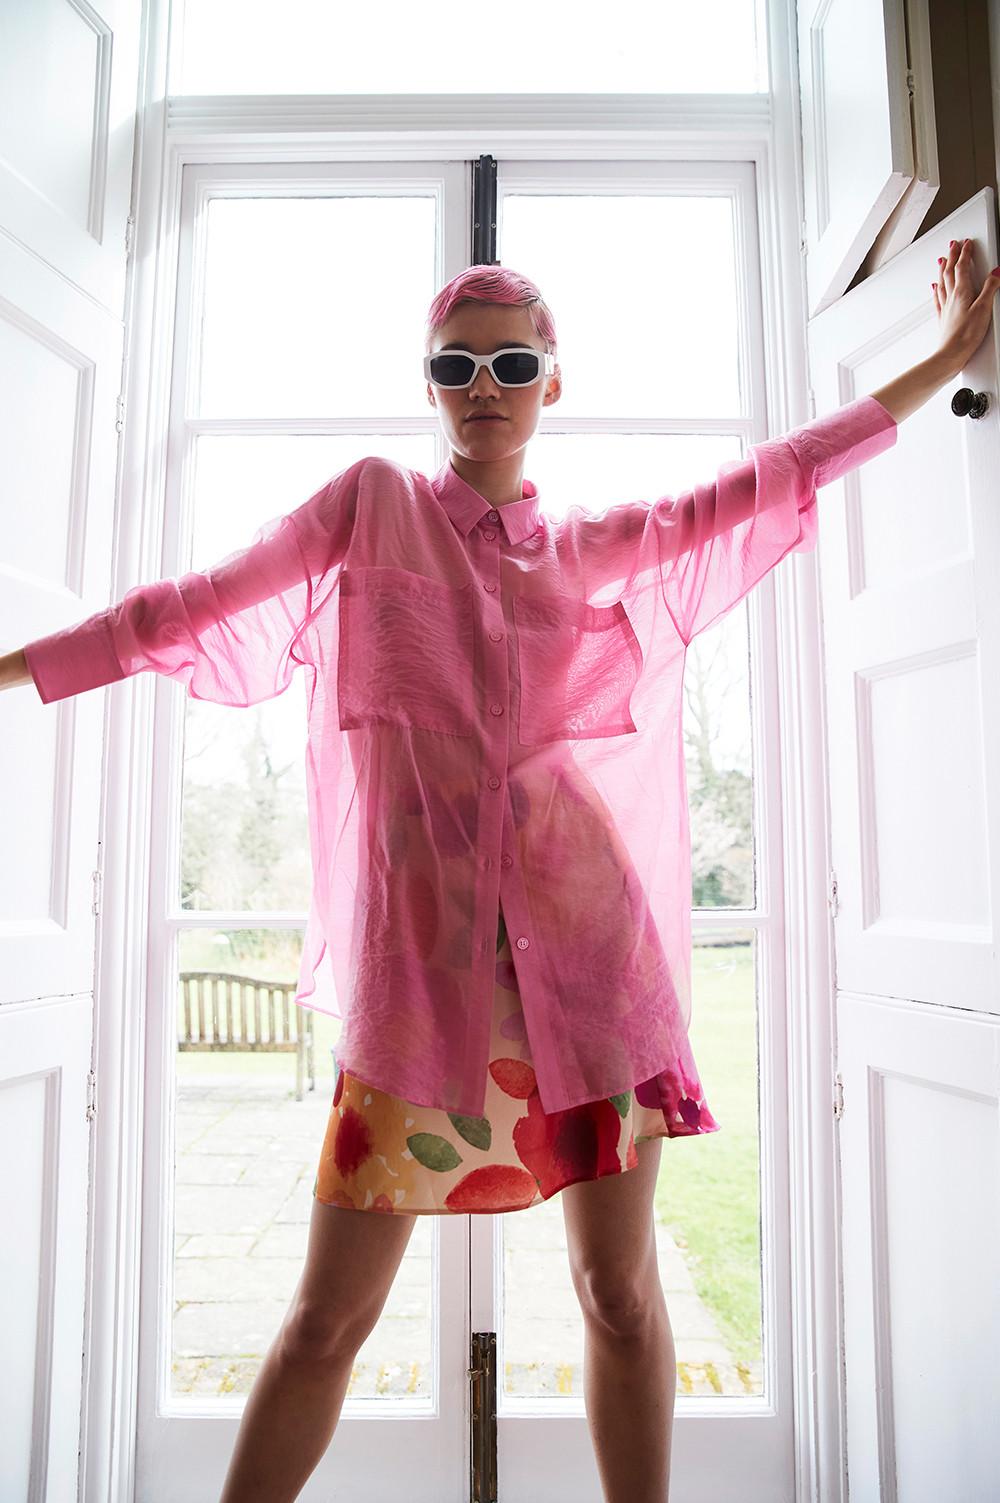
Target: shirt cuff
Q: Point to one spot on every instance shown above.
(74, 659)
(840, 441)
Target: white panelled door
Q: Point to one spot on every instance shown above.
(909, 559)
(68, 81)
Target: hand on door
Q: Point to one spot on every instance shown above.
(964, 311)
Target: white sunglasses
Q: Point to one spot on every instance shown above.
(515, 365)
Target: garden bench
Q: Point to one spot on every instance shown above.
(223, 1012)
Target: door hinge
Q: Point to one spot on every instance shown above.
(129, 234)
(95, 876)
(838, 1100)
(483, 1417)
(831, 894)
(91, 1096)
(120, 412)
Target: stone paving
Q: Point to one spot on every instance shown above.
(247, 1153)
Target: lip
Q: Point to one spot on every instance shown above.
(485, 417)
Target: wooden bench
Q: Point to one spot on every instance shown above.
(224, 1012)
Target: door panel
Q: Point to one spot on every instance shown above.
(68, 85)
(857, 134)
(909, 555)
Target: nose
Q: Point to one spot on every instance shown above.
(484, 381)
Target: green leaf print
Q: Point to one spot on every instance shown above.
(501, 931)
(475, 1130)
(433, 1151)
(621, 1103)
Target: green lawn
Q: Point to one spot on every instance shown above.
(708, 1188)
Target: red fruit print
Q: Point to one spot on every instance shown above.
(514, 1077)
(382, 1203)
(563, 1147)
(339, 1088)
(353, 1143)
(494, 1187)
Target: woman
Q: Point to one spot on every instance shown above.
(495, 717)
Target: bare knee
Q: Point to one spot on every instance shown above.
(322, 1332)
(619, 1303)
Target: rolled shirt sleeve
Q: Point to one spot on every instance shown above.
(708, 546)
(716, 541)
(233, 633)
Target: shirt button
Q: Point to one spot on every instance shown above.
(490, 587)
(496, 709)
(523, 943)
(489, 534)
(494, 516)
(496, 636)
(506, 860)
(494, 782)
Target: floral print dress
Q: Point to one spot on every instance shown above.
(381, 1153)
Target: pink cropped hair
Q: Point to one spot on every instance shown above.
(492, 284)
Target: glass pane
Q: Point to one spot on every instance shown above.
(707, 1215)
(312, 47)
(311, 307)
(717, 759)
(597, 470)
(254, 1085)
(659, 338)
(242, 481)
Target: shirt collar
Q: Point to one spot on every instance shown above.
(465, 506)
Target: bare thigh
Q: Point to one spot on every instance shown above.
(351, 1261)
(610, 1237)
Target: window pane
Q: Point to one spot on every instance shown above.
(598, 470)
(315, 307)
(646, 309)
(312, 47)
(247, 1153)
(242, 480)
(707, 1222)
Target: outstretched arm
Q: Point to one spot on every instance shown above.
(232, 633)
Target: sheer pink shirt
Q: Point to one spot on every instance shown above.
(494, 718)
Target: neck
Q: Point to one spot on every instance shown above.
(499, 482)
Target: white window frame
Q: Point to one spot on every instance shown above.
(745, 136)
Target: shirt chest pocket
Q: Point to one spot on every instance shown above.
(578, 665)
(405, 651)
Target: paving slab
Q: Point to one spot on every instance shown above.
(247, 1154)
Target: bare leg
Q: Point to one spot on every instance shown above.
(630, 1370)
(294, 1405)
